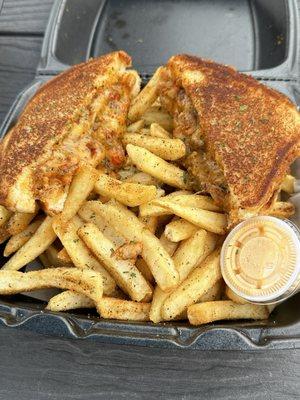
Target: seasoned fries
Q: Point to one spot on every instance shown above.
(150, 223)
(129, 226)
(4, 215)
(234, 297)
(179, 230)
(19, 221)
(156, 115)
(288, 185)
(79, 253)
(158, 131)
(159, 297)
(89, 213)
(18, 240)
(36, 245)
(214, 293)
(166, 148)
(136, 126)
(146, 97)
(86, 282)
(169, 246)
(130, 194)
(157, 167)
(193, 251)
(149, 209)
(52, 256)
(69, 300)
(112, 308)
(144, 270)
(81, 186)
(196, 285)
(127, 276)
(142, 179)
(209, 220)
(204, 313)
(63, 256)
(194, 200)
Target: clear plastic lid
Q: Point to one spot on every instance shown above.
(260, 259)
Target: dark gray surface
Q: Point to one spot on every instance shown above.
(38, 367)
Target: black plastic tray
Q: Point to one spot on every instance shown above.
(257, 36)
(79, 29)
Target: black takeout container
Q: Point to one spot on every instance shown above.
(260, 38)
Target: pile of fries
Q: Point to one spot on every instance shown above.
(136, 244)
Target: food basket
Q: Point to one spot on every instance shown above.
(260, 38)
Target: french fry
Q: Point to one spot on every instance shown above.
(282, 209)
(130, 194)
(127, 276)
(80, 188)
(169, 246)
(150, 223)
(18, 240)
(288, 184)
(69, 300)
(159, 297)
(193, 252)
(179, 230)
(79, 253)
(127, 310)
(146, 97)
(63, 256)
(19, 221)
(144, 270)
(159, 261)
(142, 179)
(36, 245)
(136, 126)
(149, 209)
(193, 287)
(86, 282)
(157, 167)
(234, 297)
(89, 214)
(4, 234)
(158, 131)
(145, 131)
(204, 313)
(129, 226)
(209, 220)
(156, 115)
(5, 214)
(214, 293)
(141, 264)
(52, 255)
(44, 260)
(195, 200)
(166, 148)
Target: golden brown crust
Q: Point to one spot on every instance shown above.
(252, 131)
(48, 114)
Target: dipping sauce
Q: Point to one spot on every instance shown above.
(260, 260)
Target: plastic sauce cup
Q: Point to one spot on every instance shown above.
(260, 260)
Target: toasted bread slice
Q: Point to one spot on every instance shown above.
(250, 131)
(56, 132)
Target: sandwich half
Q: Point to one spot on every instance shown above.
(75, 118)
(241, 135)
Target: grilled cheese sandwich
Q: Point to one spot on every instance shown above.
(59, 129)
(243, 133)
